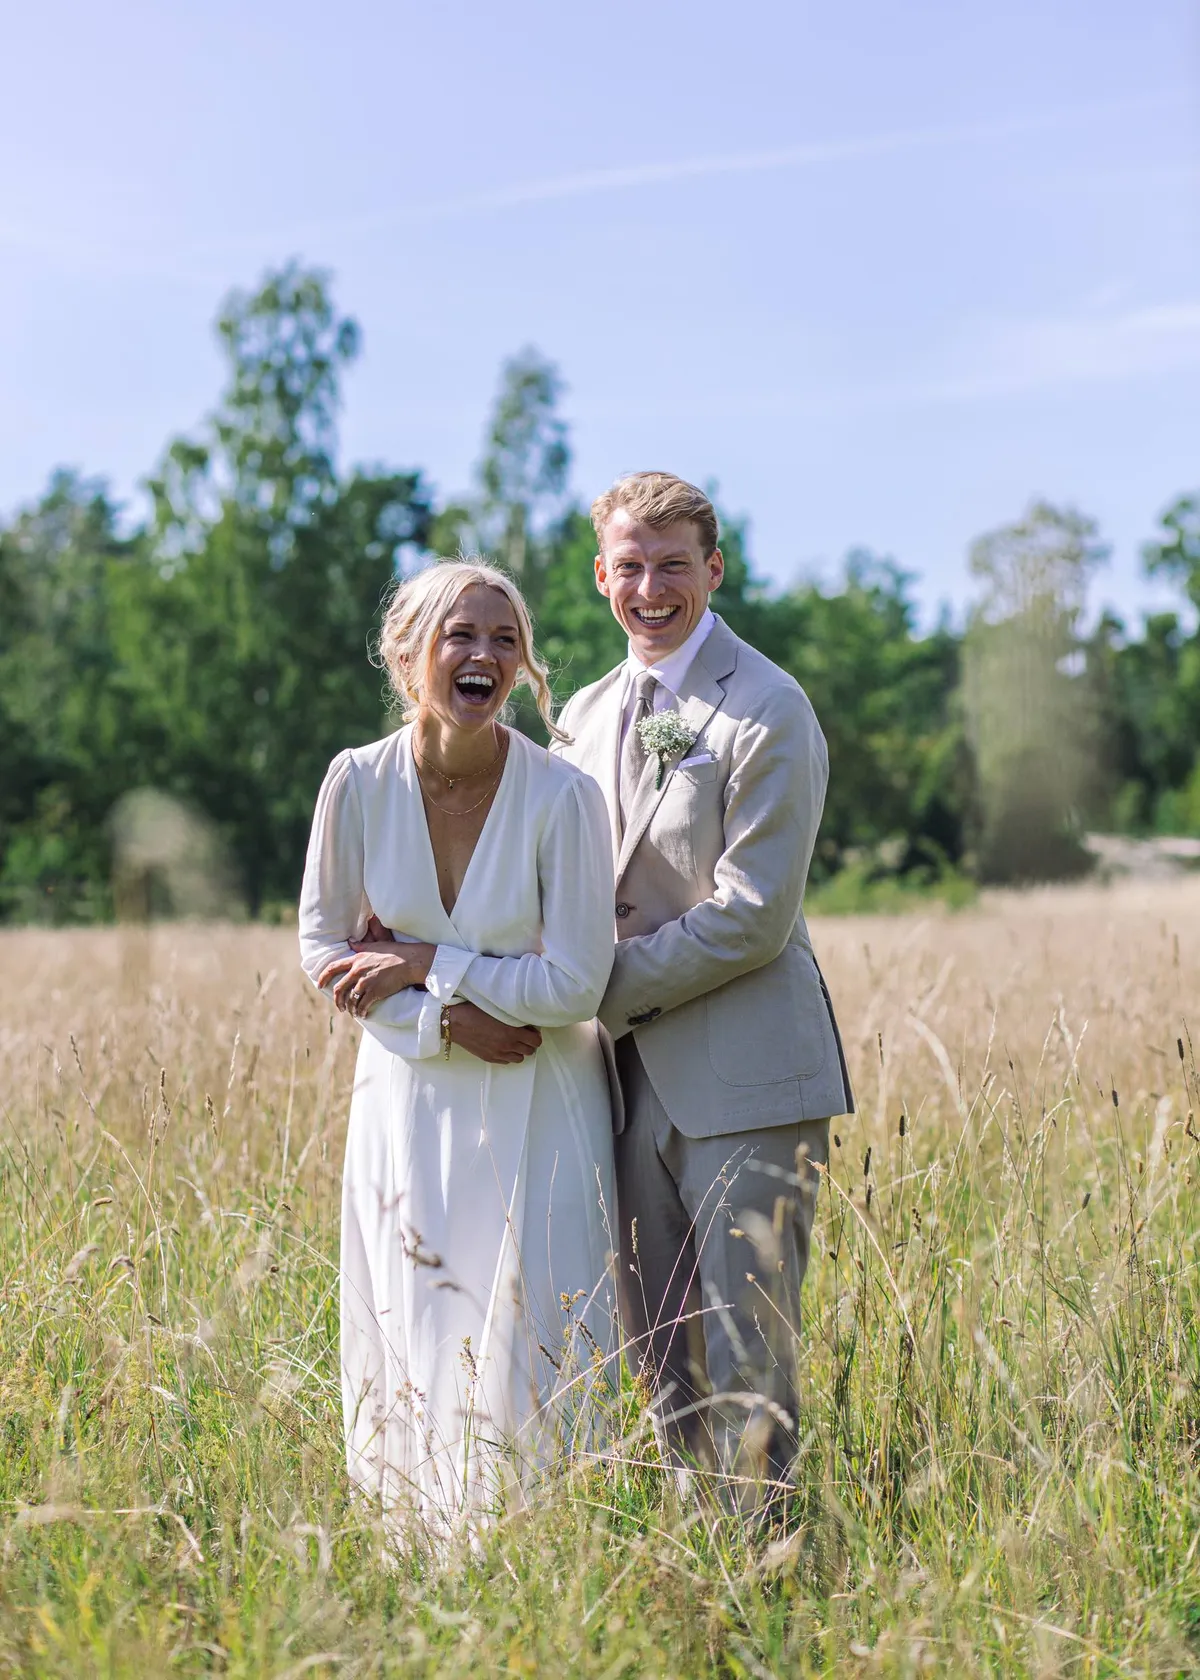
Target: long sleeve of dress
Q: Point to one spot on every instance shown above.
(565, 982)
(334, 910)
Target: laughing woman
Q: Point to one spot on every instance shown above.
(458, 901)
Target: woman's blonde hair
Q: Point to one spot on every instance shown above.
(418, 609)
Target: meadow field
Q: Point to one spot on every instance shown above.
(1000, 1470)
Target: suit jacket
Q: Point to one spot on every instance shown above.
(714, 972)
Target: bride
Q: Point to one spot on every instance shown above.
(476, 1312)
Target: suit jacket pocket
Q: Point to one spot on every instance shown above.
(703, 770)
(769, 1025)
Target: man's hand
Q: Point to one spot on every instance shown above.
(479, 1033)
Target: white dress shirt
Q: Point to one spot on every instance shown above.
(671, 671)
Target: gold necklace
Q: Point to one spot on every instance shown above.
(468, 776)
(445, 809)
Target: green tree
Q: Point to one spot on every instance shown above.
(68, 730)
(217, 658)
(269, 576)
(1175, 552)
(522, 478)
(1152, 689)
(522, 519)
(883, 695)
(577, 632)
(1146, 723)
(524, 470)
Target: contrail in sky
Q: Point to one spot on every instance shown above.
(809, 155)
(186, 260)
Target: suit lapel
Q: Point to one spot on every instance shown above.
(703, 692)
(608, 747)
(599, 745)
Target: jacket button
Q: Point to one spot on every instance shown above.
(623, 910)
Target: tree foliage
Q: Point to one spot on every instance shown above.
(226, 655)
(69, 739)
(216, 657)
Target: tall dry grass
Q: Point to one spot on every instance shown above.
(1001, 1368)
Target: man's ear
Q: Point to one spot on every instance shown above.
(601, 571)
(716, 569)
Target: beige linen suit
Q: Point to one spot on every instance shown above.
(726, 1048)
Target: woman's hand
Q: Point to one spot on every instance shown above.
(378, 969)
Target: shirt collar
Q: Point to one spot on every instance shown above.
(672, 670)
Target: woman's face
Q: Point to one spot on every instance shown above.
(475, 659)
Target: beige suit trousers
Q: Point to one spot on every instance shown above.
(713, 1247)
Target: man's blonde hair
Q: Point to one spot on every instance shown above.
(415, 614)
(658, 499)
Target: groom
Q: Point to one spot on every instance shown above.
(727, 1053)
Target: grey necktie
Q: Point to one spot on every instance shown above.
(633, 753)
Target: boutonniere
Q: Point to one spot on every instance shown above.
(666, 734)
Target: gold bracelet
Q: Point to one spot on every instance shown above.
(444, 1029)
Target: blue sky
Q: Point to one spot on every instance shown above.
(885, 272)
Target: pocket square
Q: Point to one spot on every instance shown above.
(691, 763)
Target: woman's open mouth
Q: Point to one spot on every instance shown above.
(476, 687)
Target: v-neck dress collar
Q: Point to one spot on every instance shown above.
(490, 822)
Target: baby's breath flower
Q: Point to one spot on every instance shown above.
(666, 734)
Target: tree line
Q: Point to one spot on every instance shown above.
(202, 669)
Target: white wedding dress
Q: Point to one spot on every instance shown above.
(476, 1285)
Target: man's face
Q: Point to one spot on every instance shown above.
(657, 582)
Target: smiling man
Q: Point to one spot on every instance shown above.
(726, 1049)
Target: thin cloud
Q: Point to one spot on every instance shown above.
(809, 155)
(140, 258)
(1054, 353)
(1093, 347)
(123, 261)
(995, 361)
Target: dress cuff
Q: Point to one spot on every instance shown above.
(429, 1028)
(446, 972)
